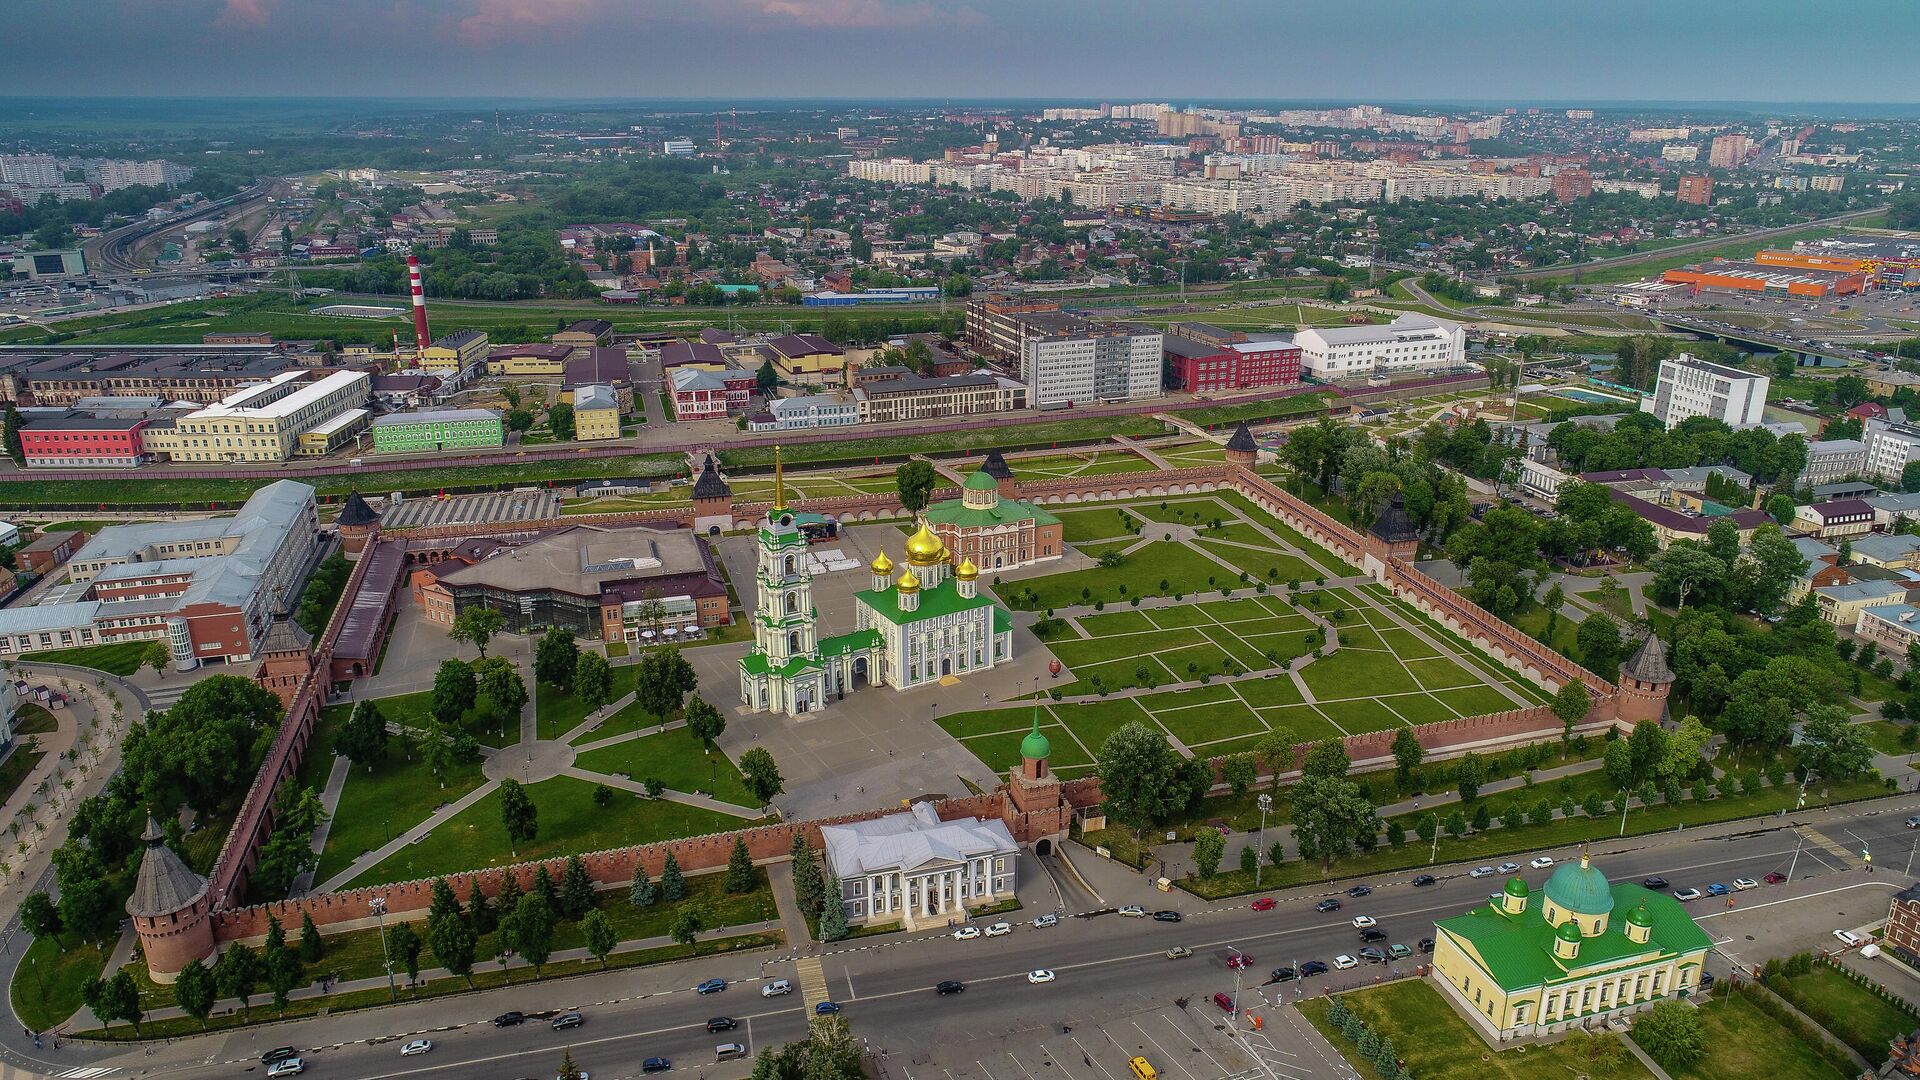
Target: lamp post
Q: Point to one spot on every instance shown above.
(1233, 1018)
(1260, 853)
(1624, 796)
(379, 906)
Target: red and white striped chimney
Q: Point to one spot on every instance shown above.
(420, 335)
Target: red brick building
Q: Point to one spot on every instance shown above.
(1697, 190)
(1202, 367)
(84, 442)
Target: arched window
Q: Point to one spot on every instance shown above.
(793, 603)
(790, 564)
(793, 641)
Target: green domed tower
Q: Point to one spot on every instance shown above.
(1034, 751)
(1579, 894)
(1513, 899)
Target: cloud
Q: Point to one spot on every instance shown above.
(244, 14)
(491, 22)
(482, 23)
(860, 14)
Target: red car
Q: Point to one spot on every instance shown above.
(1225, 1001)
(1239, 960)
(1775, 878)
(1265, 903)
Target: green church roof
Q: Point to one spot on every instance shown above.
(980, 481)
(1639, 917)
(942, 599)
(1580, 888)
(1568, 931)
(957, 513)
(1035, 745)
(1516, 887)
(1517, 950)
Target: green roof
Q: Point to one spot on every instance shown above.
(1002, 620)
(1035, 745)
(1518, 949)
(841, 644)
(942, 599)
(756, 663)
(1568, 931)
(1639, 917)
(1581, 889)
(980, 481)
(1516, 886)
(956, 512)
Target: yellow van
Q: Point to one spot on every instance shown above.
(1142, 1068)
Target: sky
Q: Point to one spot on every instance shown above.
(1120, 50)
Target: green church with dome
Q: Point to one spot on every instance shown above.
(1581, 950)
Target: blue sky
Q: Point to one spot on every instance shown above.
(1178, 50)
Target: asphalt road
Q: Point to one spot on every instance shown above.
(1107, 965)
(1567, 269)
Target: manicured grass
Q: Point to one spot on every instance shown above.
(377, 806)
(1743, 1041)
(1441, 674)
(1352, 674)
(1362, 715)
(119, 658)
(677, 760)
(1301, 723)
(988, 721)
(1859, 1017)
(569, 822)
(631, 718)
(1437, 1045)
(1210, 722)
(32, 719)
(1079, 526)
(18, 766)
(1002, 752)
(1184, 570)
(1264, 565)
(1116, 622)
(1073, 652)
(1094, 722)
(1885, 737)
(1277, 690)
(1475, 700)
(559, 712)
(46, 988)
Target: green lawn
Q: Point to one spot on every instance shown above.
(1002, 752)
(1743, 1041)
(1437, 1045)
(119, 658)
(1184, 570)
(18, 766)
(1885, 737)
(1353, 673)
(1079, 526)
(46, 988)
(1858, 1016)
(988, 721)
(631, 718)
(677, 760)
(32, 719)
(569, 822)
(379, 805)
(559, 712)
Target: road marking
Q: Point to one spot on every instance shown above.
(1174, 1061)
(813, 981)
(1016, 1064)
(1809, 896)
(1089, 1058)
(1830, 845)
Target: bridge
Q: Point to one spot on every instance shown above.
(1757, 339)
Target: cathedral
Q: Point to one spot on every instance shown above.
(928, 625)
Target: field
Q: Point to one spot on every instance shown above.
(1859, 1017)
(118, 658)
(1743, 1041)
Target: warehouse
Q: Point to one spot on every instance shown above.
(1754, 277)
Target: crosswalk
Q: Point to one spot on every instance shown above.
(813, 981)
(1849, 856)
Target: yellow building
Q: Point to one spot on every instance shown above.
(1521, 971)
(529, 361)
(596, 414)
(455, 353)
(266, 422)
(808, 358)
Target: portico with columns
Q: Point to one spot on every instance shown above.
(921, 870)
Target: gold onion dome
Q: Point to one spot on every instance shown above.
(966, 570)
(924, 548)
(909, 583)
(881, 564)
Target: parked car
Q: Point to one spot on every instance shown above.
(1421, 881)
(417, 1046)
(1718, 889)
(1225, 1001)
(722, 1023)
(1399, 951)
(827, 1008)
(292, 1066)
(1361, 922)
(1542, 862)
(729, 1051)
(1343, 962)
(966, 933)
(1329, 904)
(949, 986)
(1509, 868)
(1044, 921)
(1039, 975)
(999, 929)
(1178, 951)
(568, 1020)
(509, 1019)
(1359, 891)
(1373, 956)
(1774, 878)
(278, 1054)
(1684, 895)
(1165, 915)
(1134, 911)
(1706, 980)
(776, 988)
(656, 1064)
(1742, 884)
(1236, 961)
(1848, 939)
(1372, 934)
(1265, 903)
(1312, 968)
(1480, 871)
(1283, 974)
(1425, 945)
(1656, 883)
(711, 986)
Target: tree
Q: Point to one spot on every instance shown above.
(285, 973)
(15, 449)
(1326, 761)
(480, 913)
(760, 775)
(502, 692)
(237, 973)
(117, 999)
(404, 944)
(454, 944)
(599, 936)
(454, 689)
(476, 626)
(766, 380)
(362, 739)
(576, 889)
(1209, 847)
(915, 480)
(740, 877)
(673, 884)
(1137, 774)
(1670, 1034)
(1831, 747)
(1619, 763)
(88, 905)
(833, 911)
(1239, 771)
(544, 888)
(155, 655)
(808, 885)
(288, 852)
(528, 929)
(1598, 640)
(312, 949)
(518, 814)
(661, 682)
(593, 681)
(201, 749)
(194, 992)
(686, 925)
(641, 893)
(39, 916)
(555, 657)
(705, 723)
(441, 901)
(1469, 774)
(1331, 816)
(1571, 705)
(568, 1070)
(560, 421)
(1407, 755)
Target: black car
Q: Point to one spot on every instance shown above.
(1655, 883)
(1372, 934)
(1329, 904)
(509, 1019)
(656, 1065)
(1166, 916)
(722, 1023)
(950, 986)
(1421, 881)
(1284, 974)
(1312, 968)
(1426, 945)
(278, 1054)
(1359, 891)
(1373, 956)
(568, 1020)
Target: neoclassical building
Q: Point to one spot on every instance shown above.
(1521, 969)
(918, 869)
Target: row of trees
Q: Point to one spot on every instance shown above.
(1639, 441)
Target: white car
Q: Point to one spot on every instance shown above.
(1849, 939)
(776, 988)
(1134, 910)
(1742, 884)
(1542, 862)
(999, 928)
(1038, 976)
(1343, 962)
(417, 1046)
(966, 933)
(1363, 922)
(289, 1067)
(1686, 894)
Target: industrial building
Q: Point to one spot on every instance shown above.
(265, 422)
(1887, 262)
(81, 441)
(59, 376)
(1768, 278)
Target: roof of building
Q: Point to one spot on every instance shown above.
(1861, 590)
(1035, 746)
(1581, 888)
(77, 422)
(1241, 442)
(1839, 509)
(582, 559)
(1406, 327)
(1899, 614)
(910, 840)
(791, 345)
(355, 511)
(538, 350)
(676, 353)
(600, 364)
(1189, 349)
(1517, 950)
(596, 327)
(980, 480)
(709, 484)
(49, 540)
(942, 599)
(594, 397)
(239, 404)
(1649, 662)
(435, 416)
(1394, 525)
(285, 635)
(164, 884)
(1886, 547)
(995, 465)
(458, 338)
(364, 625)
(262, 522)
(957, 513)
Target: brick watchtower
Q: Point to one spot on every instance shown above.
(996, 466)
(712, 500)
(170, 909)
(1242, 451)
(1036, 808)
(358, 523)
(1394, 529)
(1645, 682)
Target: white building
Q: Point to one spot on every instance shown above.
(1890, 447)
(1094, 363)
(891, 171)
(1690, 387)
(1411, 342)
(1834, 459)
(919, 869)
(811, 411)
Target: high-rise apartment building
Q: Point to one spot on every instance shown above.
(1697, 190)
(1729, 151)
(1688, 387)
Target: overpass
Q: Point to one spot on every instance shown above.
(1727, 333)
(1567, 270)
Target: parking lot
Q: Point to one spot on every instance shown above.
(1191, 1043)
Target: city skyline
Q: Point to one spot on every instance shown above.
(1374, 50)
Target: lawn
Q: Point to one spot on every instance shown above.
(1002, 752)
(1079, 526)
(32, 719)
(1351, 673)
(1263, 564)
(988, 721)
(1437, 1045)
(18, 766)
(379, 805)
(1885, 737)
(1743, 1041)
(46, 988)
(569, 822)
(677, 760)
(118, 658)
(559, 712)
(1183, 569)
(631, 718)
(1858, 1016)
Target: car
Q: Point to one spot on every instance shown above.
(1480, 871)
(1706, 981)
(1238, 960)
(1141, 1068)
(1656, 883)
(729, 1051)
(950, 986)
(722, 1023)
(1541, 862)
(510, 1019)
(1742, 884)
(1134, 911)
(1044, 921)
(1373, 956)
(1508, 868)
(1425, 945)
(1225, 1001)
(1166, 916)
(1399, 951)
(711, 986)
(1265, 903)
(1178, 951)
(1684, 895)
(827, 1008)
(1343, 962)
(1283, 974)
(292, 1066)
(1914, 822)
(656, 1064)
(1328, 904)
(1774, 878)
(417, 1046)
(776, 988)
(999, 929)
(1372, 934)
(1421, 881)
(1039, 975)
(278, 1054)
(1848, 939)
(1359, 891)
(1718, 889)
(568, 1020)
(966, 933)
(1313, 967)
(1361, 922)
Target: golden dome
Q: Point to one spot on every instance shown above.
(966, 571)
(909, 583)
(924, 548)
(881, 564)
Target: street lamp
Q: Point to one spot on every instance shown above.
(1624, 796)
(1233, 1018)
(379, 906)
(1260, 853)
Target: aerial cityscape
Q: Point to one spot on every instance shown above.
(1391, 552)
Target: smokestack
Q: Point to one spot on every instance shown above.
(420, 335)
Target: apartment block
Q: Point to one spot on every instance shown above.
(1688, 387)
